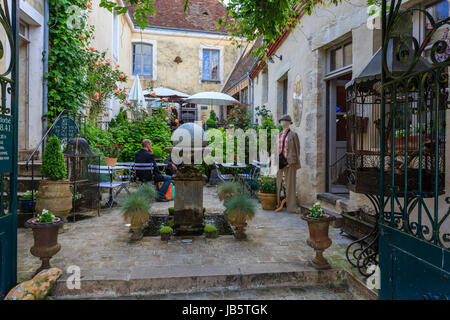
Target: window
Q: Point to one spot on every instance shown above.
(211, 60)
(244, 96)
(438, 11)
(285, 96)
(341, 57)
(142, 59)
(115, 37)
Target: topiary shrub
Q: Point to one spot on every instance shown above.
(165, 230)
(53, 164)
(211, 231)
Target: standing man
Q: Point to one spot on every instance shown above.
(289, 163)
(146, 156)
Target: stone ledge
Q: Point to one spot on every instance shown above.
(195, 278)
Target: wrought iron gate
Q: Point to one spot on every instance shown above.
(8, 144)
(414, 221)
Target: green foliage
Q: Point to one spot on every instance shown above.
(148, 191)
(135, 208)
(53, 164)
(210, 123)
(212, 115)
(166, 230)
(171, 222)
(227, 189)
(171, 211)
(66, 61)
(239, 117)
(210, 228)
(157, 152)
(46, 216)
(316, 211)
(267, 185)
(239, 209)
(111, 150)
(28, 195)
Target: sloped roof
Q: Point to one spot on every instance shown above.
(244, 65)
(201, 15)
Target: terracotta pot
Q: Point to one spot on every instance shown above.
(55, 196)
(111, 162)
(45, 239)
(165, 236)
(318, 238)
(268, 200)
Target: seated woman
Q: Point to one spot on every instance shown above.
(146, 156)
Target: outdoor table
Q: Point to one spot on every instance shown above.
(112, 171)
(234, 167)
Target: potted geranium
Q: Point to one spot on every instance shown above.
(54, 192)
(135, 209)
(240, 209)
(318, 224)
(166, 233)
(45, 232)
(267, 192)
(111, 152)
(210, 231)
(27, 201)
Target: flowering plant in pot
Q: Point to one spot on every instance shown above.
(45, 232)
(135, 209)
(267, 192)
(240, 209)
(166, 233)
(54, 193)
(318, 224)
(111, 153)
(27, 201)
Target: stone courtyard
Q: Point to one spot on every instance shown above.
(275, 255)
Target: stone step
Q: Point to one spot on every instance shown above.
(156, 280)
(26, 183)
(336, 223)
(27, 172)
(25, 153)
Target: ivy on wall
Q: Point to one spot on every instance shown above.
(66, 57)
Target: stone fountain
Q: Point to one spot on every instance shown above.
(189, 142)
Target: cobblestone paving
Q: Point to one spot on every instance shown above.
(100, 244)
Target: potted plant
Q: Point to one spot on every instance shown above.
(227, 189)
(318, 224)
(166, 233)
(267, 192)
(111, 153)
(27, 201)
(240, 209)
(45, 232)
(54, 193)
(210, 231)
(135, 209)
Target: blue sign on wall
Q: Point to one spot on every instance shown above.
(6, 125)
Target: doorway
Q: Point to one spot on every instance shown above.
(337, 133)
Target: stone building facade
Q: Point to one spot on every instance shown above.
(177, 47)
(305, 78)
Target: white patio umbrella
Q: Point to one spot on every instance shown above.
(212, 98)
(163, 92)
(136, 94)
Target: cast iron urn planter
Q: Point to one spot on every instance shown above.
(318, 238)
(45, 239)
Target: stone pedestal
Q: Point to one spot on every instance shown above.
(188, 207)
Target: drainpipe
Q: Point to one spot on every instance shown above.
(45, 67)
(251, 96)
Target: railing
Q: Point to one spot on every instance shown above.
(338, 170)
(71, 116)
